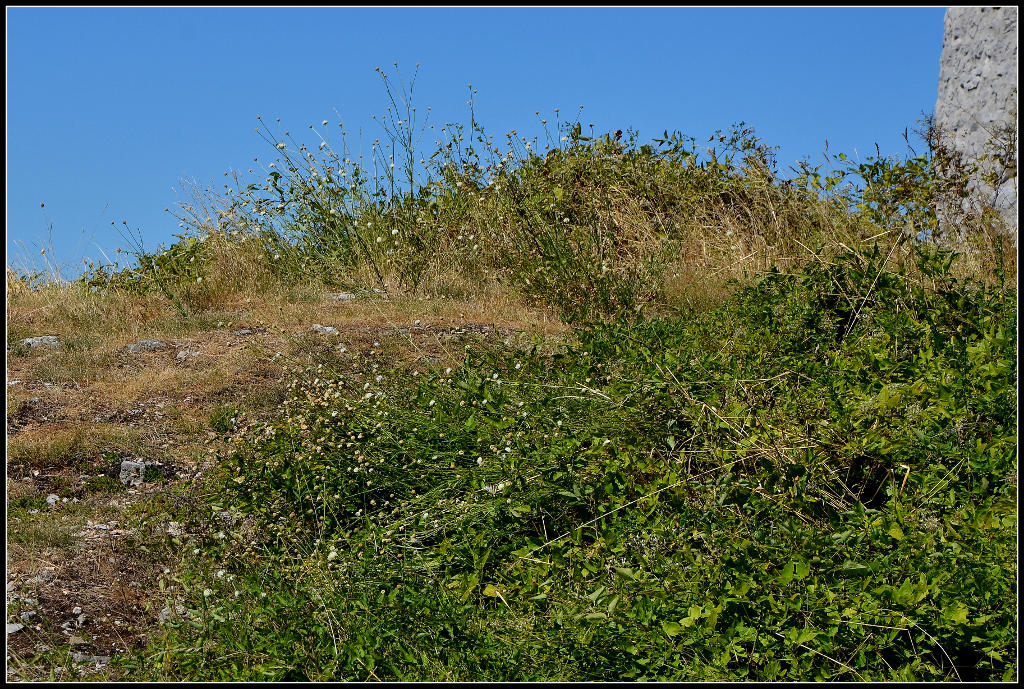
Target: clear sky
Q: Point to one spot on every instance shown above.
(108, 109)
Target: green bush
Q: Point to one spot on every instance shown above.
(814, 482)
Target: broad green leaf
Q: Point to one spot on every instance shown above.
(671, 628)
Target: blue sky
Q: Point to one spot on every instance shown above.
(108, 109)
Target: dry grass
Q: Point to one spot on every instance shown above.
(75, 445)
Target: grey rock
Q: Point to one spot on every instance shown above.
(147, 346)
(978, 98)
(167, 613)
(132, 472)
(85, 658)
(50, 341)
(324, 329)
(15, 627)
(43, 577)
(226, 517)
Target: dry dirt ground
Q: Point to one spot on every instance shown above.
(89, 571)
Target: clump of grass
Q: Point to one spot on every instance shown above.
(103, 485)
(27, 502)
(223, 418)
(79, 445)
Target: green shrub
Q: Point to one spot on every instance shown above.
(816, 481)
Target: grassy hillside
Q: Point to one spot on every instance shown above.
(608, 410)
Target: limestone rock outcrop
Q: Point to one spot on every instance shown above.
(977, 100)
